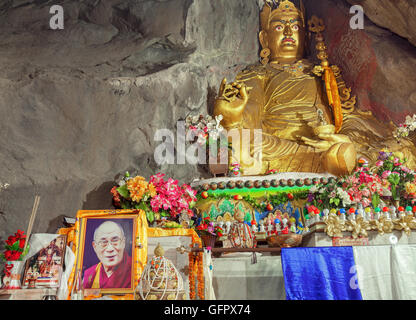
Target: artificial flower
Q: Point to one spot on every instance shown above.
(410, 187)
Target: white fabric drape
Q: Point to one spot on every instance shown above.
(404, 272)
(374, 272)
(208, 274)
(386, 272)
(237, 278)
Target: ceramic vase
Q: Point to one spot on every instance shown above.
(15, 269)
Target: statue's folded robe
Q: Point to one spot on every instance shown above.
(120, 278)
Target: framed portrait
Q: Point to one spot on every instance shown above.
(108, 250)
(44, 269)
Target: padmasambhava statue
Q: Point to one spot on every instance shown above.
(304, 127)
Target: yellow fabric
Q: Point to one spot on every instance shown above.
(158, 232)
(333, 97)
(96, 282)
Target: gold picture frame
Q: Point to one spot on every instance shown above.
(134, 226)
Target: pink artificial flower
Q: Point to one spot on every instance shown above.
(366, 192)
(386, 174)
(379, 163)
(365, 202)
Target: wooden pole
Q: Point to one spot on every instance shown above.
(32, 220)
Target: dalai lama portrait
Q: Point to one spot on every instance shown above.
(114, 268)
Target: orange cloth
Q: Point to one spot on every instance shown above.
(333, 97)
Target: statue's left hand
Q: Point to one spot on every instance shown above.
(327, 141)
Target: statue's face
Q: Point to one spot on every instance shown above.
(285, 37)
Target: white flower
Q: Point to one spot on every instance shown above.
(313, 189)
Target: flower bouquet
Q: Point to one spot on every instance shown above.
(396, 177)
(361, 187)
(15, 247)
(208, 133)
(13, 255)
(388, 179)
(208, 232)
(160, 199)
(405, 128)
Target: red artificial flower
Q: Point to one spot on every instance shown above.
(11, 240)
(15, 255)
(7, 255)
(20, 234)
(22, 243)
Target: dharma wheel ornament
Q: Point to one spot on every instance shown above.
(160, 279)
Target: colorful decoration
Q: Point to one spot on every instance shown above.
(405, 128)
(389, 177)
(383, 221)
(207, 227)
(157, 197)
(240, 233)
(235, 169)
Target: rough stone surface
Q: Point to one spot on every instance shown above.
(398, 16)
(376, 62)
(80, 105)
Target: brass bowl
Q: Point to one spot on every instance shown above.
(284, 240)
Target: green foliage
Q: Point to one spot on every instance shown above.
(124, 191)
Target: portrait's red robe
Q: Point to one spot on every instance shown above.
(95, 276)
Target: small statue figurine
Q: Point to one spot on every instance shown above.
(240, 234)
(227, 227)
(393, 212)
(269, 228)
(262, 229)
(285, 226)
(293, 225)
(277, 225)
(235, 170)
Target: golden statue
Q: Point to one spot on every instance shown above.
(306, 126)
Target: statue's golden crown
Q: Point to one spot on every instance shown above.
(274, 8)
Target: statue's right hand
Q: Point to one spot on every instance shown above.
(231, 102)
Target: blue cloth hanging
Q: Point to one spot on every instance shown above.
(325, 273)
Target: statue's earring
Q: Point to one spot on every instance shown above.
(265, 54)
